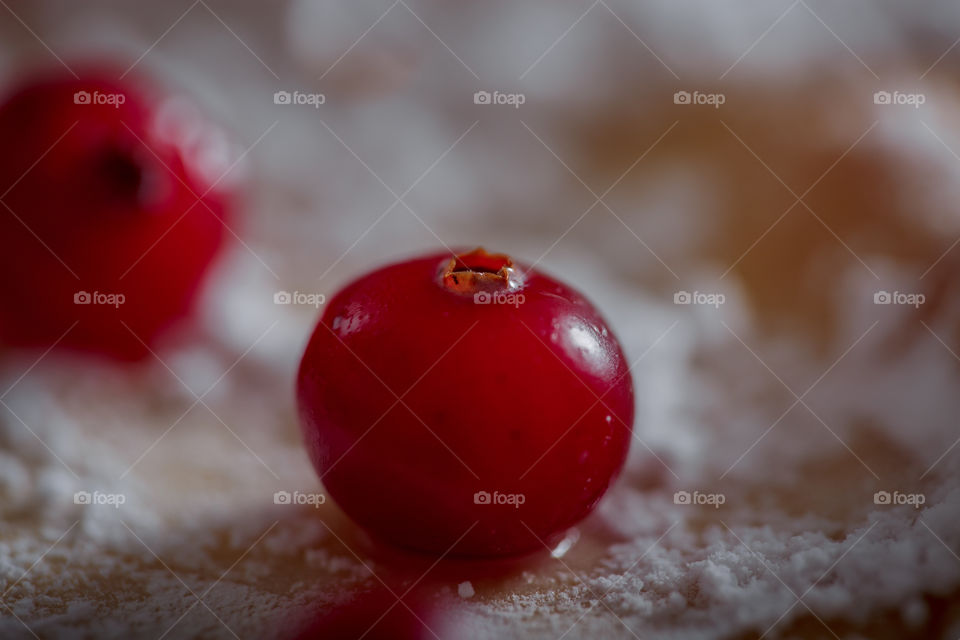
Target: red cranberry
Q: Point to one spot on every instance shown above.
(464, 400)
(100, 181)
(384, 612)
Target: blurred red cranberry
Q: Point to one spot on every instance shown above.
(101, 226)
(380, 613)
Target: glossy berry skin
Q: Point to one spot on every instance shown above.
(414, 397)
(100, 195)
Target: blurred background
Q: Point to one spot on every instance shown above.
(761, 197)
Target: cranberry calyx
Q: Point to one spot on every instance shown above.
(478, 270)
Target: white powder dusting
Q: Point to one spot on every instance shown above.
(465, 590)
